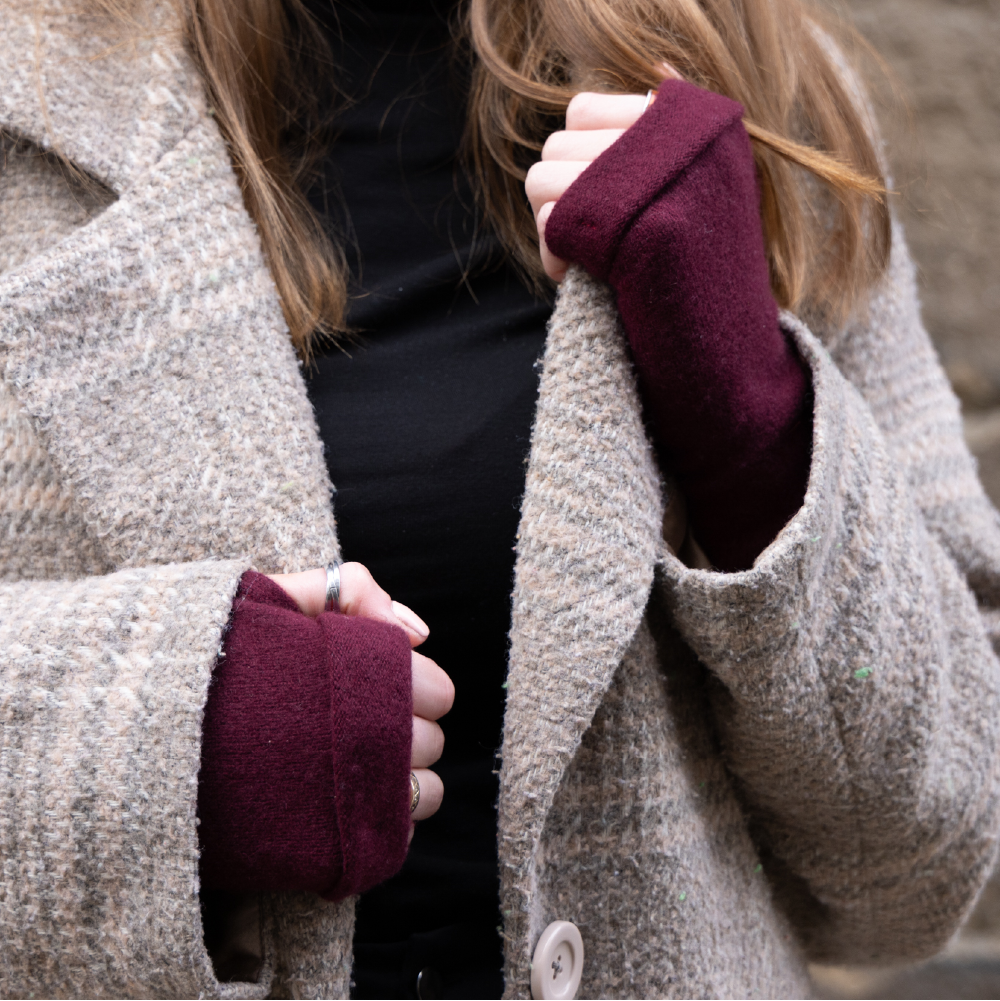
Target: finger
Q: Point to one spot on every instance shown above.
(431, 793)
(548, 181)
(667, 70)
(307, 589)
(361, 596)
(428, 743)
(555, 267)
(579, 145)
(433, 690)
(604, 111)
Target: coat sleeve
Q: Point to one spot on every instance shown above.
(890, 359)
(856, 690)
(104, 671)
(103, 683)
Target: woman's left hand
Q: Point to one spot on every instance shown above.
(593, 123)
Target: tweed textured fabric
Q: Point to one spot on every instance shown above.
(169, 428)
(715, 776)
(807, 649)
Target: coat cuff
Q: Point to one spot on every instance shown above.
(802, 550)
(854, 693)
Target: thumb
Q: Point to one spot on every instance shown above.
(359, 595)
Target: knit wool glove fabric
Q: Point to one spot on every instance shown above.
(304, 781)
(669, 216)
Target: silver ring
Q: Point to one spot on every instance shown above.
(414, 792)
(649, 100)
(333, 587)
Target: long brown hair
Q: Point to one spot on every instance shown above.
(827, 242)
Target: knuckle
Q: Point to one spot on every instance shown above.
(356, 584)
(374, 595)
(428, 739)
(580, 110)
(444, 687)
(431, 793)
(422, 667)
(359, 570)
(535, 178)
(436, 788)
(554, 146)
(447, 693)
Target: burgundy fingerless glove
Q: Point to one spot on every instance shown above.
(304, 781)
(669, 216)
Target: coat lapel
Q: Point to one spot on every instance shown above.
(149, 348)
(149, 351)
(588, 540)
(112, 100)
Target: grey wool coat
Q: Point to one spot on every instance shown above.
(715, 777)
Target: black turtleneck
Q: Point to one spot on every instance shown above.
(426, 419)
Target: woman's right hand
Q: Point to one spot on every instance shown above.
(433, 691)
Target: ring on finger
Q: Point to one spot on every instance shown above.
(332, 603)
(414, 791)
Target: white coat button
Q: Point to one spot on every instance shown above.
(557, 964)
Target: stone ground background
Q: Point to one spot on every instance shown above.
(944, 144)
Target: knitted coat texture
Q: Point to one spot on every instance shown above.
(715, 776)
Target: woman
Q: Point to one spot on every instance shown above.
(732, 740)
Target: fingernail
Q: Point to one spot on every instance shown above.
(410, 619)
